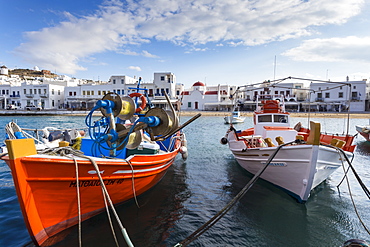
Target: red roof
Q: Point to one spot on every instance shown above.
(198, 83)
(211, 92)
(185, 93)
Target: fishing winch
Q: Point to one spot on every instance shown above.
(119, 128)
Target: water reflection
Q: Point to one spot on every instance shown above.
(273, 218)
(363, 148)
(149, 225)
(193, 192)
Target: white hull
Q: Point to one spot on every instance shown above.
(234, 120)
(364, 131)
(297, 168)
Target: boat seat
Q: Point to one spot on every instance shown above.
(314, 136)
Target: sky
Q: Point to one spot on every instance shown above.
(234, 42)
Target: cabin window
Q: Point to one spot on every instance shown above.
(280, 119)
(265, 118)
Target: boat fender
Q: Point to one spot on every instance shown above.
(67, 136)
(223, 141)
(184, 152)
(19, 135)
(77, 144)
(55, 135)
(355, 243)
(184, 142)
(143, 101)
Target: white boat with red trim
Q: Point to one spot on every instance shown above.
(295, 159)
(364, 130)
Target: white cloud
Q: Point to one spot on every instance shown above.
(147, 54)
(134, 53)
(129, 53)
(137, 68)
(332, 50)
(116, 25)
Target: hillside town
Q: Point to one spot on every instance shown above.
(42, 90)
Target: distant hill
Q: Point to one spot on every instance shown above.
(31, 73)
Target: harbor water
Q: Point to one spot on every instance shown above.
(194, 190)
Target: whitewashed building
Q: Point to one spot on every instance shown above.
(66, 92)
(338, 96)
(285, 91)
(213, 98)
(84, 96)
(45, 96)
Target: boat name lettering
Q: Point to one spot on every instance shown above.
(89, 183)
(276, 163)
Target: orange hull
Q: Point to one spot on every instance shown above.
(47, 187)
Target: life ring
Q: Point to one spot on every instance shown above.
(143, 101)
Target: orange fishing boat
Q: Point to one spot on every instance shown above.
(124, 156)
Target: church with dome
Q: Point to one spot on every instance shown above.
(209, 98)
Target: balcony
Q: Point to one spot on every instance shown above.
(29, 95)
(46, 95)
(319, 99)
(355, 98)
(15, 96)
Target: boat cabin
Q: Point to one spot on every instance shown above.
(272, 121)
(236, 114)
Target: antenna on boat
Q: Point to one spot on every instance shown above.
(349, 102)
(275, 67)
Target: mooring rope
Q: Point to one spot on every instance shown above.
(78, 204)
(109, 218)
(341, 154)
(361, 183)
(77, 153)
(123, 230)
(221, 213)
(133, 182)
